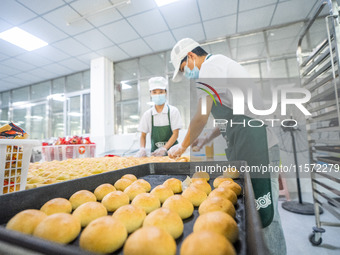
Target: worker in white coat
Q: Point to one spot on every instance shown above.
(162, 121)
(257, 146)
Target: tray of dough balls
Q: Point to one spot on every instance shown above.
(156, 208)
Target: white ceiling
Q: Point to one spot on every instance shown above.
(128, 31)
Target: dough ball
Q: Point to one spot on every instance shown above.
(130, 177)
(231, 185)
(89, 211)
(26, 221)
(219, 222)
(114, 200)
(206, 242)
(103, 235)
(133, 190)
(81, 197)
(195, 195)
(225, 193)
(202, 185)
(144, 184)
(217, 204)
(57, 205)
(174, 184)
(179, 204)
(146, 201)
(219, 180)
(166, 219)
(59, 227)
(231, 172)
(201, 175)
(162, 192)
(131, 216)
(102, 190)
(150, 240)
(122, 184)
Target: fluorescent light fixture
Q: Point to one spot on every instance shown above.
(74, 114)
(164, 2)
(57, 97)
(33, 117)
(125, 86)
(134, 117)
(22, 39)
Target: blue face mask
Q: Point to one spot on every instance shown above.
(191, 74)
(159, 99)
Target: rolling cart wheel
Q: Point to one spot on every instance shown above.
(313, 241)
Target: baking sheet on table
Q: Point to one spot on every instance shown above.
(155, 173)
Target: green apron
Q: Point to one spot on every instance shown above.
(249, 144)
(160, 135)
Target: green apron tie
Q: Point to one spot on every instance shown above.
(160, 135)
(249, 144)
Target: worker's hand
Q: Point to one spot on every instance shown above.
(141, 153)
(199, 143)
(176, 151)
(159, 152)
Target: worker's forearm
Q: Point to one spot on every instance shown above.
(143, 140)
(172, 140)
(195, 129)
(215, 133)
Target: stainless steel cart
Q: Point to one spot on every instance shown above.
(320, 74)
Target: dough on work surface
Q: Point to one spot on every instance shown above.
(225, 193)
(150, 240)
(162, 192)
(130, 177)
(81, 197)
(59, 227)
(166, 219)
(217, 204)
(219, 222)
(114, 200)
(122, 184)
(147, 201)
(195, 195)
(57, 205)
(103, 190)
(231, 185)
(131, 216)
(103, 235)
(220, 179)
(26, 221)
(174, 184)
(88, 212)
(206, 242)
(179, 204)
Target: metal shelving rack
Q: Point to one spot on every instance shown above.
(320, 74)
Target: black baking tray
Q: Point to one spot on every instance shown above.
(250, 233)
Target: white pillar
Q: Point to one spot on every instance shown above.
(102, 104)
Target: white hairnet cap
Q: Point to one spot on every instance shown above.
(179, 51)
(158, 83)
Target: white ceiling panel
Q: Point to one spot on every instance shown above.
(114, 53)
(74, 64)
(220, 27)
(34, 59)
(250, 52)
(44, 30)
(193, 31)
(18, 64)
(148, 23)
(7, 70)
(57, 69)
(89, 6)
(51, 53)
(4, 25)
(119, 32)
(37, 7)
(43, 73)
(94, 39)
(14, 80)
(136, 48)
(27, 77)
(247, 40)
(18, 13)
(86, 58)
(71, 47)
(161, 41)
(285, 32)
(186, 13)
(255, 19)
(137, 6)
(105, 17)
(292, 10)
(9, 49)
(212, 9)
(282, 46)
(245, 5)
(60, 18)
